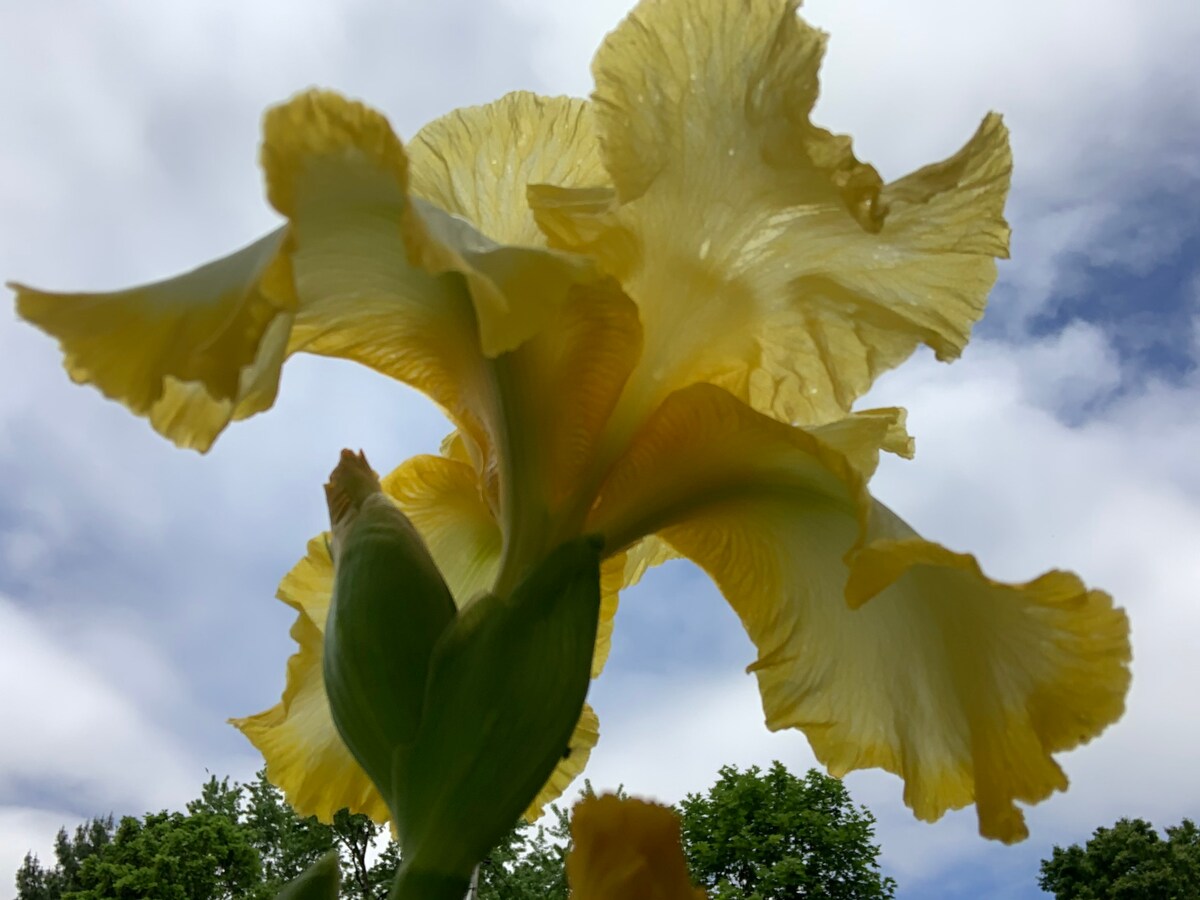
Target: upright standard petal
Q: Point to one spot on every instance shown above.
(493, 332)
(374, 286)
(885, 649)
(478, 162)
(190, 353)
(763, 256)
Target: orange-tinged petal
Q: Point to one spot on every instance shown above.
(885, 649)
(478, 162)
(627, 848)
(190, 353)
(763, 256)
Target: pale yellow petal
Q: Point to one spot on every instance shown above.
(886, 650)
(337, 170)
(575, 758)
(861, 435)
(305, 755)
(445, 501)
(478, 162)
(559, 391)
(190, 353)
(624, 848)
(339, 174)
(308, 585)
(703, 446)
(411, 289)
(647, 553)
(442, 498)
(763, 256)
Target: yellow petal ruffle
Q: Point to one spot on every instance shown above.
(886, 650)
(363, 271)
(627, 848)
(763, 256)
(304, 753)
(189, 353)
(579, 747)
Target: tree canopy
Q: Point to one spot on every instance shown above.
(235, 842)
(1128, 861)
(771, 835)
(753, 835)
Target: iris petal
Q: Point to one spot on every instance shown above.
(886, 650)
(478, 162)
(189, 353)
(763, 256)
(304, 753)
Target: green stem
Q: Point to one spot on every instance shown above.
(413, 885)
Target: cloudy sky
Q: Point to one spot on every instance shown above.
(136, 580)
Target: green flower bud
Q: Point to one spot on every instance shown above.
(390, 605)
(506, 686)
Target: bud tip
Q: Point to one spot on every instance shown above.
(350, 484)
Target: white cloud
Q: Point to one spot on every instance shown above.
(25, 829)
(69, 733)
(133, 134)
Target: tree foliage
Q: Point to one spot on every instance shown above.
(235, 842)
(71, 852)
(1129, 861)
(770, 835)
(753, 835)
(529, 863)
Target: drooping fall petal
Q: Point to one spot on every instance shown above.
(763, 256)
(190, 353)
(885, 649)
(363, 271)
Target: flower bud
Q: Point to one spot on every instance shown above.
(506, 686)
(390, 605)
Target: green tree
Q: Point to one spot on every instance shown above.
(286, 843)
(770, 836)
(1127, 862)
(234, 841)
(530, 862)
(70, 853)
(171, 856)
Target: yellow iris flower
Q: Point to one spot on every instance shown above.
(649, 317)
